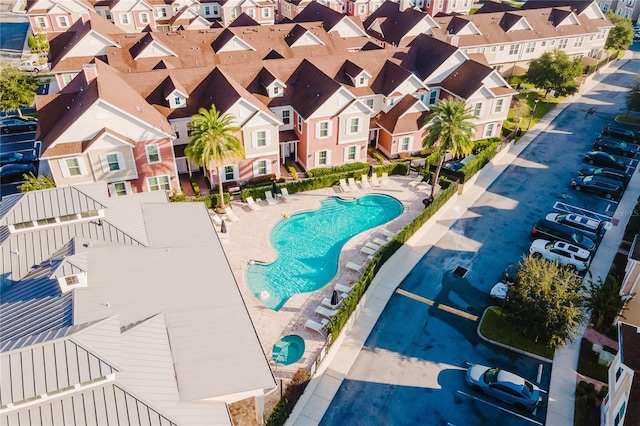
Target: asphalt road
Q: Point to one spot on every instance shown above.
(15, 142)
(411, 369)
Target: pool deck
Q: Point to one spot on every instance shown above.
(248, 239)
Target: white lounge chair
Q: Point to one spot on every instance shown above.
(285, 194)
(317, 326)
(364, 182)
(368, 250)
(352, 184)
(374, 181)
(215, 219)
(373, 246)
(327, 301)
(341, 288)
(343, 186)
(355, 266)
(269, 197)
(327, 313)
(384, 180)
(231, 215)
(424, 186)
(252, 204)
(416, 181)
(388, 234)
(380, 241)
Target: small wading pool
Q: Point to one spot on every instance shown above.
(288, 349)
(308, 245)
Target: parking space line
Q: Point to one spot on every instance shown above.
(569, 208)
(445, 308)
(502, 408)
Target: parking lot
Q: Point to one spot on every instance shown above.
(411, 369)
(16, 142)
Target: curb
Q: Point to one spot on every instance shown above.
(502, 345)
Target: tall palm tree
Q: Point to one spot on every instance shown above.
(449, 129)
(212, 137)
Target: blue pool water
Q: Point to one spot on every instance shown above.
(309, 244)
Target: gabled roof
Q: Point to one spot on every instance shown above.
(301, 36)
(389, 78)
(244, 20)
(558, 16)
(390, 24)
(492, 6)
(467, 79)
(509, 20)
(406, 116)
(312, 88)
(577, 5)
(171, 85)
(147, 47)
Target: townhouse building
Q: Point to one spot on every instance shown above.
(628, 9)
(298, 92)
(508, 39)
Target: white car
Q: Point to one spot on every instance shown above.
(583, 223)
(564, 253)
(32, 66)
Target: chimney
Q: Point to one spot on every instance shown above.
(452, 39)
(90, 72)
(85, 17)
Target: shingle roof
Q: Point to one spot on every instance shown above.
(398, 120)
(389, 78)
(312, 88)
(244, 20)
(393, 22)
(466, 79)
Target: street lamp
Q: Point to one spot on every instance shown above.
(533, 112)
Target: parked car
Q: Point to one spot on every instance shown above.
(14, 172)
(16, 157)
(503, 385)
(557, 231)
(583, 223)
(612, 174)
(618, 131)
(615, 147)
(562, 252)
(603, 159)
(509, 276)
(15, 124)
(607, 188)
(32, 66)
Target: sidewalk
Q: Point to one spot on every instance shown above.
(324, 385)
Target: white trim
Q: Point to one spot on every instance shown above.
(158, 180)
(146, 151)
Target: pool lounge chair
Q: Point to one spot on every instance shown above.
(253, 205)
(368, 250)
(352, 184)
(373, 246)
(364, 182)
(285, 194)
(355, 266)
(343, 186)
(388, 234)
(374, 181)
(327, 301)
(416, 181)
(231, 215)
(384, 180)
(317, 326)
(217, 221)
(341, 288)
(269, 197)
(380, 241)
(327, 313)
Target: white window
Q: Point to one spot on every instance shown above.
(369, 103)
(158, 183)
(276, 90)
(361, 9)
(62, 21)
(118, 189)
(578, 42)
(299, 123)
(488, 130)
(266, 12)
(163, 12)
(502, 48)
(261, 167)
(323, 158)
(531, 46)
(112, 162)
(229, 173)
(477, 109)
(440, 4)
(362, 80)
(251, 13)
(323, 129)
(286, 116)
(153, 153)
(405, 143)
(72, 167)
(480, 49)
(124, 18)
(261, 138)
(207, 10)
(144, 18)
(493, 49)
(41, 22)
(107, 14)
(351, 153)
(354, 125)
(514, 49)
(499, 104)
(215, 10)
(177, 100)
(562, 44)
(543, 43)
(233, 14)
(605, 7)
(433, 97)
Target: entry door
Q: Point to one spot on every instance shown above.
(181, 164)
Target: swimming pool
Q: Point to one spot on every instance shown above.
(308, 245)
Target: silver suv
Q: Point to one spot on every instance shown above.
(583, 223)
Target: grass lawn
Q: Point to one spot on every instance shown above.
(588, 362)
(495, 327)
(544, 106)
(628, 119)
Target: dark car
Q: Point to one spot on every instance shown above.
(583, 223)
(615, 147)
(618, 131)
(14, 172)
(603, 159)
(608, 188)
(15, 124)
(16, 157)
(557, 231)
(612, 174)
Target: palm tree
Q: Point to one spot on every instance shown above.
(212, 138)
(449, 129)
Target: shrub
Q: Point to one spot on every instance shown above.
(444, 182)
(195, 186)
(604, 390)
(580, 411)
(583, 384)
(591, 399)
(591, 388)
(580, 391)
(261, 180)
(376, 156)
(177, 196)
(292, 170)
(279, 414)
(350, 167)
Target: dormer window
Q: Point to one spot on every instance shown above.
(276, 90)
(177, 100)
(362, 80)
(69, 282)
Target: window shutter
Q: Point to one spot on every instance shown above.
(63, 167)
(357, 153)
(255, 169)
(127, 185)
(254, 140)
(121, 163)
(317, 159)
(268, 166)
(317, 131)
(328, 157)
(346, 155)
(329, 124)
(82, 165)
(104, 163)
(112, 190)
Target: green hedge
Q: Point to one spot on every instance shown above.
(482, 158)
(279, 414)
(350, 167)
(360, 287)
